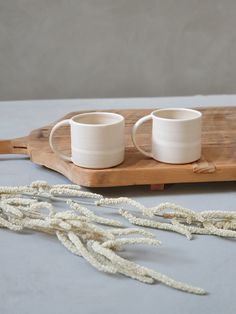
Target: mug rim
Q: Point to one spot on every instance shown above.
(119, 117)
(196, 112)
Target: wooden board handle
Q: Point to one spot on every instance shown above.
(14, 146)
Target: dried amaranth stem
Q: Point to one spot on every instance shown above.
(97, 238)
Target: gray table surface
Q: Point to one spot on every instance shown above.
(38, 275)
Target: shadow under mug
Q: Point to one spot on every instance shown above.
(97, 139)
(176, 135)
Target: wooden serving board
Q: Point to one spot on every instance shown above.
(218, 162)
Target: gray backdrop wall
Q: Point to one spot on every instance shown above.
(116, 48)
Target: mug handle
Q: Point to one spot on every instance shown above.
(134, 131)
(54, 149)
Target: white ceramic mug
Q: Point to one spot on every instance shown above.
(176, 135)
(97, 139)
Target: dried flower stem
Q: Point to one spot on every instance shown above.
(86, 234)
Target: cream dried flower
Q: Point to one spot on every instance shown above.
(96, 238)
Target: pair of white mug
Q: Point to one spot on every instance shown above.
(97, 138)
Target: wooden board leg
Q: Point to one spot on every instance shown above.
(157, 187)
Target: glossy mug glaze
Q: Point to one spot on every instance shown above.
(97, 139)
(176, 135)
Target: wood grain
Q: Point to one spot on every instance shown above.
(218, 162)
